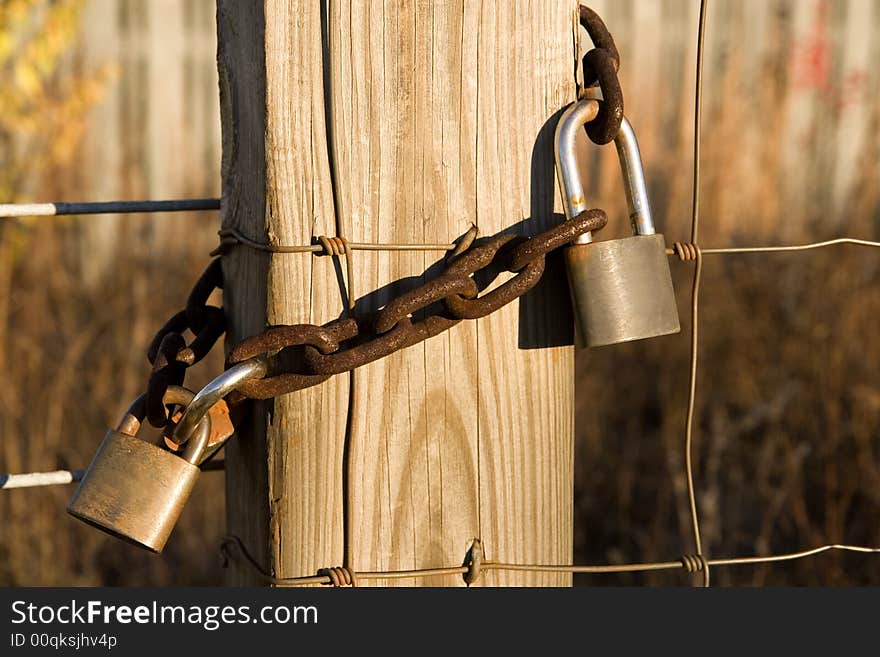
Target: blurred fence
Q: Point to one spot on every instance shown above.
(156, 134)
(787, 446)
(791, 115)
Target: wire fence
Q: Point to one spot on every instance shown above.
(62, 477)
(11, 210)
(474, 564)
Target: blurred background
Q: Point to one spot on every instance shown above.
(117, 99)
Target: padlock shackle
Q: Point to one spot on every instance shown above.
(573, 119)
(131, 422)
(228, 381)
(569, 174)
(634, 184)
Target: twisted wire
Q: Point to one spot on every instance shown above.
(694, 563)
(474, 565)
(340, 576)
(339, 246)
(685, 251)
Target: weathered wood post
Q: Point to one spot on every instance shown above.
(398, 122)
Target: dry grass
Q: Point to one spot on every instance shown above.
(787, 448)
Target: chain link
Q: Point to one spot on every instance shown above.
(170, 355)
(600, 66)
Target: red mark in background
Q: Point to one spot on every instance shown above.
(813, 66)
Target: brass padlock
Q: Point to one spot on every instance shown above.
(621, 289)
(135, 490)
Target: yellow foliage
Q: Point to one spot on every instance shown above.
(42, 108)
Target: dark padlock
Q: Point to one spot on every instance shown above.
(135, 490)
(621, 289)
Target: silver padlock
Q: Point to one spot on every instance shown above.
(621, 290)
(135, 490)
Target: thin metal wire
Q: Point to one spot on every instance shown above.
(37, 479)
(107, 207)
(692, 397)
(698, 107)
(232, 236)
(791, 556)
(62, 477)
(310, 580)
(695, 296)
(797, 247)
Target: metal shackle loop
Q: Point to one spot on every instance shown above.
(217, 389)
(634, 184)
(571, 184)
(131, 422)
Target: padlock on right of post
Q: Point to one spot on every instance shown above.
(621, 289)
(136, 490)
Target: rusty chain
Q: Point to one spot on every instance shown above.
(170, 355)
(416, 315)
(600, 66)
(304, 355)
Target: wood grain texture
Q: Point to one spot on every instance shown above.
(427, 116)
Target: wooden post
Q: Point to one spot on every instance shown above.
(398, 122)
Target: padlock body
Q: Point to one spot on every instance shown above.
(134, 490)
(621, 290)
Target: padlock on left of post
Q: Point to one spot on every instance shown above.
(136, 490)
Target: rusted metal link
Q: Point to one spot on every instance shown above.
(211, 279)
(599, 67)
(167, 371)
(479, 258)
(480, 255)
(280, 384)
(604, 128)
(206, 322)
(423, 296)
(176, 324)
(357, 355)
(540, 245)
(170, 356)
(463, 308)
(276, 338)
(325, 339)
(168, 352)
(212, 330)
(404, 334)
(599, 34)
